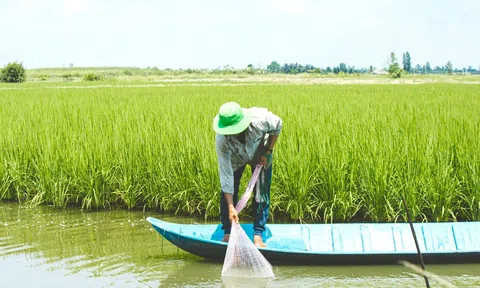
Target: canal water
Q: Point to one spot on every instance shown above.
(46, 247)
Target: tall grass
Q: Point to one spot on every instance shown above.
(346, 152)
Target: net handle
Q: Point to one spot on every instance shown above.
(248, 191)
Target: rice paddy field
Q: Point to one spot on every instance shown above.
(346, 153)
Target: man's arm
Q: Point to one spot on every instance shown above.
(272, 125)
(226, 176)
(224, 165)
(229, 199)
(232, 212)
(271, 143)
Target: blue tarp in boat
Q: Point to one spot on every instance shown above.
(332, 244)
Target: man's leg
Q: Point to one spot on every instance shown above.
(227, 225)
(260, 210)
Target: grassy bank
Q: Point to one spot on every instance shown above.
(132, 75)
(346, 152)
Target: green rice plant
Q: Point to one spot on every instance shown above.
(346, 153)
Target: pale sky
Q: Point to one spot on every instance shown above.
(213, 33)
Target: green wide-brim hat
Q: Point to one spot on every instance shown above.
(231, 119)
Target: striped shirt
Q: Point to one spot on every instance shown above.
(232, 154)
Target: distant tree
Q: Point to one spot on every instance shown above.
(250, 70)
(310, 68)
(274, 67)
(290, 68)
(419, 68)
(407, 62)
(370, 70)
(328, 70)
(428, 68)
(13, 73)
(393, 67)
(449, 68)
(343, 68)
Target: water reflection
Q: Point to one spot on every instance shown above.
(242, 282)
(42, 247)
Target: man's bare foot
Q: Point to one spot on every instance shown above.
(258, 241)
(226, 237)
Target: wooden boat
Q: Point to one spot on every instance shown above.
(334, 244)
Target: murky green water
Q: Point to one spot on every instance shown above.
(43, 247)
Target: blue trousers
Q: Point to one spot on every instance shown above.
(259, 210)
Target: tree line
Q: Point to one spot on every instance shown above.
(407, 67)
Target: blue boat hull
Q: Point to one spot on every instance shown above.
(337, 244)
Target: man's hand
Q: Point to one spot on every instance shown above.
(232, 214)
(265, 160)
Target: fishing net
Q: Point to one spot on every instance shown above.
(248, 191)
(243, 259)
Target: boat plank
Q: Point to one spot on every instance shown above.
(467, 236)
(378, 239)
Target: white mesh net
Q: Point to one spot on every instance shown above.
(243, 259)
(249, 189)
